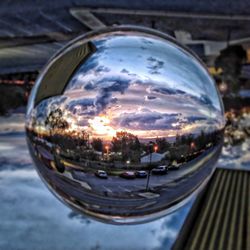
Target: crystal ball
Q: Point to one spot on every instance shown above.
(125, 125)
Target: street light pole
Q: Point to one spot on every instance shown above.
(149, 171)
(107, 154)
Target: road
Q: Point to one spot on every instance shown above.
(120, 197)
(117, 185)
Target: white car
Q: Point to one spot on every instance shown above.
(101, 174)
(160, 170)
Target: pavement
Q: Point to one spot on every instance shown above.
(121, 197)
(116, 184)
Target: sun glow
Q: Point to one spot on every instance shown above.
(101, 127)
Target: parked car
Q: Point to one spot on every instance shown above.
(101, 174)
(174, 166)
(160, 170)
(128, 175)
(141, 174)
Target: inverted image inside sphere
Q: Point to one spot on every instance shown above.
(124, 125)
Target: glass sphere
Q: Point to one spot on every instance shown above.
(125, 124)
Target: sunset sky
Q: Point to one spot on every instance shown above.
(142, 85)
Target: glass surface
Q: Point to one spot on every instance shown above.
(131, 132)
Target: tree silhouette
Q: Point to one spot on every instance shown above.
(97, 144)
(230, 61)
(163, 144)
(56, 121)
(128, 144)
(201, 140)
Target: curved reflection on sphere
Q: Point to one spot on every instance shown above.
(124, 125)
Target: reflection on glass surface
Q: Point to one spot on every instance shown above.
(135, 130)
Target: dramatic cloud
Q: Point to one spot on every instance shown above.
(150, 97)
(167, 91)
(124, 71)
(118, 80)
(45, 106)
(104, 88)
(102, 69)
(154, 65)
(81, 106)
(148, 120)
(13, 123)
(160, 61)
(202, 99)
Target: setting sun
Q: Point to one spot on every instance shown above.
(101, 127)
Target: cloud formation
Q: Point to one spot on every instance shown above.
(154, 65)
(152, 120)
(118, 80)
(104, 88)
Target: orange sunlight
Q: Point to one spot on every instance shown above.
(100, 126)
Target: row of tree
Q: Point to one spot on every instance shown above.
(124, 146)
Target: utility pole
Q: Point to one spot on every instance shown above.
(150, 161)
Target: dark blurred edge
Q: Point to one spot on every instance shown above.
(234, 185)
